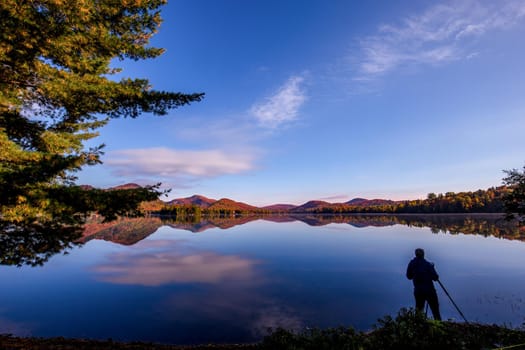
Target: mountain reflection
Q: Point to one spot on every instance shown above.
(126, 231)
(131, 231)
(34, 246)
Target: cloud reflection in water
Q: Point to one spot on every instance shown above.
(165, 267)
(229, 292)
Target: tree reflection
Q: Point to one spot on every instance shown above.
(34, 244)
(478, 224)
(483, 224)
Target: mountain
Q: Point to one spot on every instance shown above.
(129, 186)
(356, 201)
(197, 200)
(280, 207)
(311, 205)
(362, 202)
(229, 204)
(225, 203)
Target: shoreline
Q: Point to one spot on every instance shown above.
(408, 330)
(10, 342)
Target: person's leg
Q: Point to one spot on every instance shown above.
(434, 305)
(420, 301)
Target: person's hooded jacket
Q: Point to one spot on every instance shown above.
(422, 273)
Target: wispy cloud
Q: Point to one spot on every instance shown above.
(232, 144)
(169, 163)
(440, 34)
(283, 106)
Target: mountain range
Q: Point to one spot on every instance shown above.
(226, 203)
(230, 204)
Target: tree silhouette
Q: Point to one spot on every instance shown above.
(514, 200)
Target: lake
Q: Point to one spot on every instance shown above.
(230, 280)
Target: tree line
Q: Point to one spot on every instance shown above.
(481, 201)
(195, 213)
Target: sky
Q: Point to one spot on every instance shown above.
(327, 100)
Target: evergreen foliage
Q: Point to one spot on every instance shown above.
(57, 87)
(514, 200)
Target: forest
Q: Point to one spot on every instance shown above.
(481, 201)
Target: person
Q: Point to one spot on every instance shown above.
(422, 273)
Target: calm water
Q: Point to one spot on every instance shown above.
(182, 283)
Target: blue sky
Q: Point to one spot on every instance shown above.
(327, 100)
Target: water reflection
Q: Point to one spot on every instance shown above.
(238, 309)
(131, 231)
(155, 279)
(126, 231)
(33, 245)
(155, 263)
(209, 223)
(10, 327)
(230, 313)
(226, 289)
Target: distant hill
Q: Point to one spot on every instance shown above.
(129, 186)
(311, 205)
(362, 202)
(280, 207)
(229, 204)
(356, 201)
(224, 204)
(197, 200)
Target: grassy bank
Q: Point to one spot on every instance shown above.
(408, 330)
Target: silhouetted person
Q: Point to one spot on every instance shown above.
(422, 273)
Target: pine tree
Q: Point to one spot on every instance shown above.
(57, 87)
